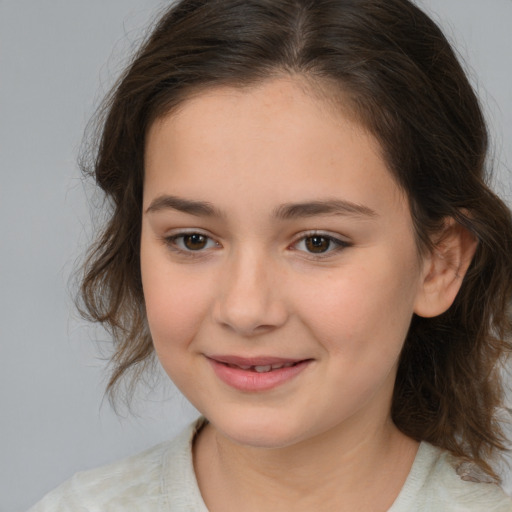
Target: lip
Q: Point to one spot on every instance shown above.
(231, 370)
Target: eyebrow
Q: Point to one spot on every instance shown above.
(328, 207)
(197, 208)
(285, 211)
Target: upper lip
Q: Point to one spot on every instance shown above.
(253, 361)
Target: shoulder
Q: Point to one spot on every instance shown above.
(123, 484)
(463, 483)
(140, 482)
(440, 481)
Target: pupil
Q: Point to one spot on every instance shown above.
(317, 244)
(194, 242)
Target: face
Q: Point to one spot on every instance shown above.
(279, 264)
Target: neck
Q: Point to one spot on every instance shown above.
(362, 469)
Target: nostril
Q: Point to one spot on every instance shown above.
(248, 303)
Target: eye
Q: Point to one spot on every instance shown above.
(317, 244)
(191, 242)
(320, 244)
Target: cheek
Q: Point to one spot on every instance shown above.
(176, 304)
(364, 312)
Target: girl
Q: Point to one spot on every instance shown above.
(302, 233)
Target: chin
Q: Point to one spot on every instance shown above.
(260, 431)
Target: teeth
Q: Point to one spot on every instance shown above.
(263, 369)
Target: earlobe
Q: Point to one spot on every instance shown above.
(444, 269)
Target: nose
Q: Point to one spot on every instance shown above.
(250, 299)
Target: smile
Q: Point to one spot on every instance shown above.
(256, 374)
(262, 368)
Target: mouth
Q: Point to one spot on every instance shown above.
(264, 368)
(256, 374)
(256, 364)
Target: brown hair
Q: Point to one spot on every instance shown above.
(404, 84)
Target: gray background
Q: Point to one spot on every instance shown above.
(57, 58)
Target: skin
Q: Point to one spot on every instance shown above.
(322, 440)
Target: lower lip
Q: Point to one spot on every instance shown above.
(251, 381)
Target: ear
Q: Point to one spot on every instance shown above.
(444, 269)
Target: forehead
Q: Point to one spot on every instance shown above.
(277, 136)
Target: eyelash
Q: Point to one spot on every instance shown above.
(172, 243)
(338, 245)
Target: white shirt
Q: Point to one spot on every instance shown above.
(162, 479)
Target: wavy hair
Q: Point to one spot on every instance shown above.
(401, 79)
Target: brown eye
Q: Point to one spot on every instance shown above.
(317, 244)
(187, 243)
(195, 241)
